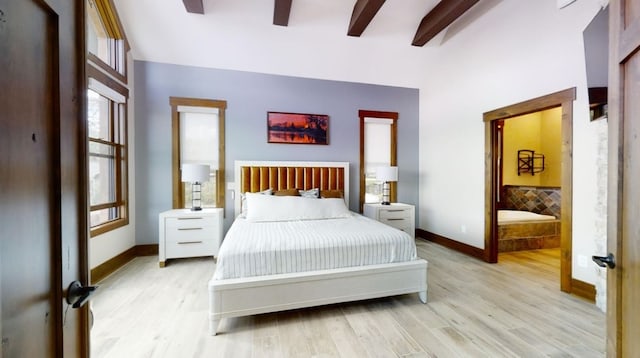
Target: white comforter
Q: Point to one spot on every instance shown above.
(268, 248)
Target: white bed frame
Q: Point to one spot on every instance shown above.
(255, 295)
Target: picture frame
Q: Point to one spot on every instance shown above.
(297, 128)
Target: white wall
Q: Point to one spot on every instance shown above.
(518, 51)
(108, 245)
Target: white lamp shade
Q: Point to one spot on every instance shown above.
(387, 173)
(195, 173)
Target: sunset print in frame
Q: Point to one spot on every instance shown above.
(297, 128)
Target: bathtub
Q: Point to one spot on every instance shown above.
(524, 230)
(511, 216)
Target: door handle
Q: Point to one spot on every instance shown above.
(77, 295)
(604, 261)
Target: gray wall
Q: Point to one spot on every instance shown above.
(249, 96)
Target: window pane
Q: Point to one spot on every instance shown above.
(99, 116)
(377, 153)
(199, 138)
(102, 216)
(101, 173)
(208, 193)
(97, 38)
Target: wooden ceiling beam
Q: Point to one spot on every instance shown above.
(363, 13)
(281, 12)
(443, 15)
(194, 6)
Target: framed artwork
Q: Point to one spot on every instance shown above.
(297, 128)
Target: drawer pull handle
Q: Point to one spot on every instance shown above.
(392, 219)
(395, 211)
(189, 242)
(189, 218)
(189, 228)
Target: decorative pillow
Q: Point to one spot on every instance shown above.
(286, 192)
(243, 201)
(331, 194)
(311, 193)
(288, 208)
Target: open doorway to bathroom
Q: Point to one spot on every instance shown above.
(531, 164)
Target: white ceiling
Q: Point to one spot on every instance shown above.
(240, 35)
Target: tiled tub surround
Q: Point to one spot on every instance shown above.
(540, 200)
(530, 235)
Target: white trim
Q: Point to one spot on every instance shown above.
(106, 91)
(195, 109)
(387, 121)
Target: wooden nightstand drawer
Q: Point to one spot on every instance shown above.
(394, 214)
(190, 222)
(190, 233)
(186, 233)
(191, 248)
(400, 224)
(397, 215)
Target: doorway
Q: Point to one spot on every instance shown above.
(563, 99)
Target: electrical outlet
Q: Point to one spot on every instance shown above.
(463, 229)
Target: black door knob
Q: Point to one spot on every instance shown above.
(77, 294)
(604, 261)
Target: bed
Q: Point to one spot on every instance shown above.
(523, 230)
(269, 273)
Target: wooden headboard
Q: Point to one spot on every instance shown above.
(253, 176)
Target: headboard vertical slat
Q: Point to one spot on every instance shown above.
(255, 179)
(272, 178)
(324, 178)
(245, 179)
(296, 179)
(264, 178)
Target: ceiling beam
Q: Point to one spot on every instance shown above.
(363, 13)
(281, 11)
(445, 13)
(194, 6)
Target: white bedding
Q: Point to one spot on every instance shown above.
(510, 216)
(269, 248)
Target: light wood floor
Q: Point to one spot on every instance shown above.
(474, 309)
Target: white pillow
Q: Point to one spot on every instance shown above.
(243, 201)
(311, 193)
(287, 208)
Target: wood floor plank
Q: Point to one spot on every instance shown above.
(511, 309)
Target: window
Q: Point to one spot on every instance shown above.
(106, 43)
(198, 138)
(377, 148)
(107, 98)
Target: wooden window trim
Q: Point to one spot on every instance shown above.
(111, 21)
(177, 185)
(121, 155)
(96, 61)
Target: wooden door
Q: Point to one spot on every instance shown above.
(623, 236)
(43, 211)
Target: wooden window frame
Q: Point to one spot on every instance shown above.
(121, 155)
(393, 116)
(177, 185)
(115, 31)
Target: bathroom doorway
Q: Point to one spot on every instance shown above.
(493, 178)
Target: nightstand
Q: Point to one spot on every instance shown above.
(186, 233)
(401, 216)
